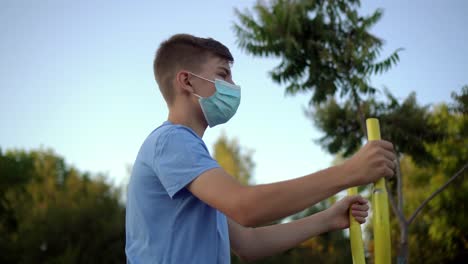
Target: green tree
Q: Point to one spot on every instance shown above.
(52, 213)
(440, 234)
(234, 159)
(406, 124)
(325, 47)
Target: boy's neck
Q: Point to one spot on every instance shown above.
(188, 120)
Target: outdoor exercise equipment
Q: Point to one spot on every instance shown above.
(381, 223)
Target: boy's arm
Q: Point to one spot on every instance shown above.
(254, 243)
(260, 204)
(255, 205)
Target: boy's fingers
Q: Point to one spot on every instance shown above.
(389, 172)
(356, 199)
(390, 155)
(359, 213)
(391, 164)
(386, 144)
(360, 207)
(348, 201)
(360, 220)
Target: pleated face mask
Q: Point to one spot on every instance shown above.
(222, 105)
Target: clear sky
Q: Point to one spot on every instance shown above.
(76, 76)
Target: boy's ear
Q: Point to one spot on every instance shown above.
(183, 81)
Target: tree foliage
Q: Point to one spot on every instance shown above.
(440, 233)
(237, 161)
(406, 124)
(324, 46)
(52, 213)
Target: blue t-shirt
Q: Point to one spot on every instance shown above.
(166, 223)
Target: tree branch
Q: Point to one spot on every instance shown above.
(357, 101)
(399, 183)
(396, 211)
(436, 192)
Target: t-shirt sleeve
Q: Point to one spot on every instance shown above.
(179, 158)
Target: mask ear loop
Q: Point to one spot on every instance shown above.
(203, 78)
(193, 93)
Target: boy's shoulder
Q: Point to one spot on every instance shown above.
(168, 130)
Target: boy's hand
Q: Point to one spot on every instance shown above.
(372, 162)
(338, 214)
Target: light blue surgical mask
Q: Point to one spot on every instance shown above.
(222, 105)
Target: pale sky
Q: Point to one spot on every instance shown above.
(76, 76)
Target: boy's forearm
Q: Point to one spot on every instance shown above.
(269, 240)
(270, 202)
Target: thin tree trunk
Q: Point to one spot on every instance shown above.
(403, 254)
(399, 182)
(362, 118)
(397, 206)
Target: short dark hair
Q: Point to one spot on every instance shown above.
(184, 51)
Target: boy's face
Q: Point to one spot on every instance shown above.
(214, 68)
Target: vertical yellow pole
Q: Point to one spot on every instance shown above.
(381, 223)
(357, 247)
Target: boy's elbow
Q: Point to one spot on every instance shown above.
(245, 212)
(245, 248)
(247, 256)
(242, 257)
(246, 219)
(246, 259)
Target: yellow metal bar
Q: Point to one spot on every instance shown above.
(357, 247)
(381, 223)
